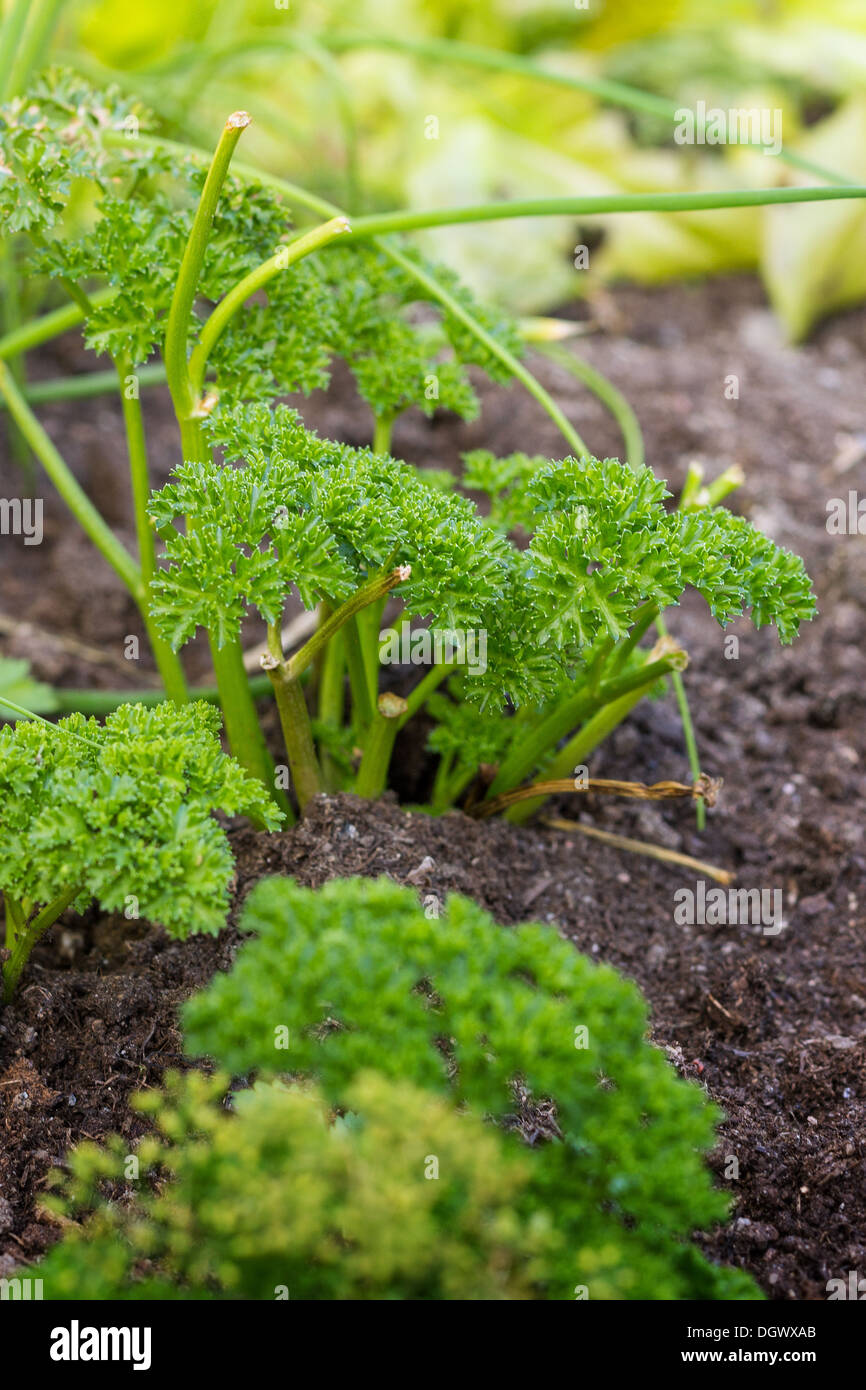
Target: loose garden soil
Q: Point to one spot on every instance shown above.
(773, 1027)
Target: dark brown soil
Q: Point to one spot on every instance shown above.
(773, 1026)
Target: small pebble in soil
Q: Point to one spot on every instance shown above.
(421, 875)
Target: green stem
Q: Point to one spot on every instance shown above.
(10, 39)
(413, 219)
(624, 649)
(48, 326)
(382, 434)
(25, 940)
(10, 306)
(513, 364)
(371, 592)
(606, 392)
(177, 330)
(73, 495)
(84, 385)
(439, 797)
(256, 280)
(239, 714)
(578, 748)
(15, 920)
(101, 702)
(295, 721)
(332, 699)
(359, 685)
(369, 622)
(694, 756)
(419, 696)
(23, 713)
(167, 662)
(532, 748)
(193, 444)
(392, 712)
(378, 747)
(30, 57)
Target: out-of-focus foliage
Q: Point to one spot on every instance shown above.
(278, 1200)
(814, 259)
(376, 1156)
(359, 128)
(17, 684)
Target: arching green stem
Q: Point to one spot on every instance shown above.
(287, 256)
(607, 393)
(514, 365)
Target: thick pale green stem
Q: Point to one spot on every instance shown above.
(294, 719)
(31, 54)
(177, 331)
(392, 713)
(382, 434)
(167, 661)
(10, 42)
(379, 745)
(24, 940)
(239, 714)
(332, 700)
